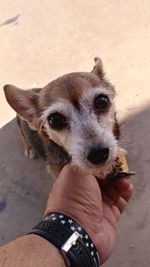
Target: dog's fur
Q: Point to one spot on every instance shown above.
(72, 95)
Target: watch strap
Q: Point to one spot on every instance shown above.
(69, 237)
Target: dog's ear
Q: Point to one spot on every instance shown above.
(98, 68)
(24, 102)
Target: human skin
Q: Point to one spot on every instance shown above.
(80, 197)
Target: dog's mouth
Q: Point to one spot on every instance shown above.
(97, 162)
(100, 171)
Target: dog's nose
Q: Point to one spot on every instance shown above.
(98, 154)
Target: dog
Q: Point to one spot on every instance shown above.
(70, 120)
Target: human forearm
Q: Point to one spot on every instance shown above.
(30, 251)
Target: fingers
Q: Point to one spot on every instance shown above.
(120, 188)
(117, 196)
(128, 194)
(116, 212)
(122, 202)
(122, 185)
(116, 207)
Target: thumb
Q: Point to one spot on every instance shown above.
(77, 196)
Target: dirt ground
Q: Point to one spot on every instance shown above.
(40, 40)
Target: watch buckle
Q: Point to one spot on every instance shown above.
(71, 241)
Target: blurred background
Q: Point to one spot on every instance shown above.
(41, 40)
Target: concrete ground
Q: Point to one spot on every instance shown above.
(40, 40)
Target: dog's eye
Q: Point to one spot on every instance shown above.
(101, 102)
(57, 121)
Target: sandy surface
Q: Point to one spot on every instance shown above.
(42, 40)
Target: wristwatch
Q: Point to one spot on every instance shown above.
(76, 246)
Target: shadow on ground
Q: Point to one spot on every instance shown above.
(132, 248)
(25, 184)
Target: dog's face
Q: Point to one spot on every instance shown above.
(77, 112)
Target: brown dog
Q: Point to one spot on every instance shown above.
(70, 120)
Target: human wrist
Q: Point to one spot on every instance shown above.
(70, 238)
(45, 252)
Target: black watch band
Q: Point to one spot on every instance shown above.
(70, 238)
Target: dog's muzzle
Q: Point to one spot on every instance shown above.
(98, 154)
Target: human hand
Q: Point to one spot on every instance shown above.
(97, 211)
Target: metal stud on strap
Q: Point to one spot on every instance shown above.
(68, 244)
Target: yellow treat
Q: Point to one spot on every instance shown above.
(123, 160)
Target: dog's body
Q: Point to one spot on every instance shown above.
(71, 120)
